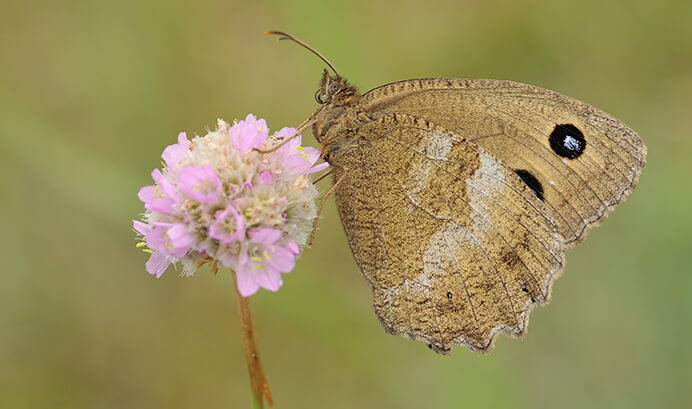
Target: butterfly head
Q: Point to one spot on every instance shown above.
(336, 98)
(333, 89)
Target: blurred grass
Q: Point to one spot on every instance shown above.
(90, 93)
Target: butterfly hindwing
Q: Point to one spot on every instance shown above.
(455, 244)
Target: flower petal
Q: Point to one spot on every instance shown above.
(159, 240)
(228, 225)
(281, 259)
(154, 200)
(180, 236)
(156, 239)
(147, 193)
(311, 153)
(317, 168)
(157, 264)
(201, 184)
(164, 185)
(141, 228)
(249, 133)
(266, 177)
(182, 140)
(293, 246)
(245, 280)
(300, 160)
(264, 235)
(286, 133)
(175, 153)
(267, 277)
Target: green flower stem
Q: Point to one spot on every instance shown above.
(258, 382)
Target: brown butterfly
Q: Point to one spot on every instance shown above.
(459, 196)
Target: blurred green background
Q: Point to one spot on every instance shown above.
(91, 92)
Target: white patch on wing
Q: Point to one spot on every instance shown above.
(437, 146)
(420, 284)
(420, 176)
(571, 144)
(486, 184)
(436, 257)
(441, 255)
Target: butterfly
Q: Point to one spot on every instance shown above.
(459, 196)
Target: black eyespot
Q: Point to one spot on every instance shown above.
(531, 182)
(334, 87)
(449, 295)
(318, 97)
(567, 141)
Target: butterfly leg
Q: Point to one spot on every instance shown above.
(322, 203)
(322, 176)
(307, 123)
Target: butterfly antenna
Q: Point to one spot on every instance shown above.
(285, 36)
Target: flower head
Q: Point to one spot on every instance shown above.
(220, 200)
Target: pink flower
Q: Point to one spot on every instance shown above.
(266, 177)
(174, 154)
(298, 160)
(171, 239)
(180, 238)
(228, 225)
(201, 184)
(218, 200)
(262, 262)
(285, 133)
(159, 197)
(158, 263)
(249, 133)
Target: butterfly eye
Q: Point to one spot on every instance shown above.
(334, 87)
(318, 97)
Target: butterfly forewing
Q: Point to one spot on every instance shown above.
(582, 161)
(454, 244)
